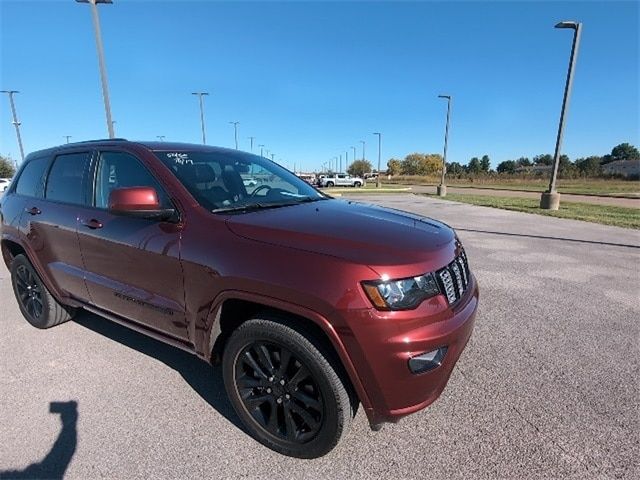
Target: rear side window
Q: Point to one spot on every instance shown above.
(30, 181)
(121, 170)
(65, 182)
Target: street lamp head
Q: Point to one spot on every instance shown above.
(94, 1)
(9, 91)
(448, 97)
(200, 93)
(572, 25)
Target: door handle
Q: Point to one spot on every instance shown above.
(92, 224)
(33, 211)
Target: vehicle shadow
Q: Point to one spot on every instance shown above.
(55, 463)
(205, 379)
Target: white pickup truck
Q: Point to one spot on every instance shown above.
(341, 180)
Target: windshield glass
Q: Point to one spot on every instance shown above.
(236, 181)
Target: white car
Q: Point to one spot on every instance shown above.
(341, 180)
(4, 184)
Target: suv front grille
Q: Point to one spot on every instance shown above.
(454, 278)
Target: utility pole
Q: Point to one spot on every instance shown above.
(101, 62)
(252, 139)
(200, 95)
(15, 122)
(160, 137)
(67, 137)
(235, 132)
(378, 185)
(550, 200)
(442, 188)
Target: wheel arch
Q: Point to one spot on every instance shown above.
(235, 308)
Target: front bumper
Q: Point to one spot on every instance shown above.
(382, 343)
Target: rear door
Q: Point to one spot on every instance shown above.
(132, 264)
(50, 222)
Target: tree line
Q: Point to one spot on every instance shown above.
(431, 164)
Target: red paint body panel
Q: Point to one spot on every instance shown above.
(174, 277)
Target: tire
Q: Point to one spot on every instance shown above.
(357, 184)
(330, 184)
(36, 303)
(310, 401)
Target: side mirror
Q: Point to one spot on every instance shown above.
(141, 202)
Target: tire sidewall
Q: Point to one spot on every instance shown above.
(332, 426)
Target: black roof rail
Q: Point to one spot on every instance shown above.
(104, 140)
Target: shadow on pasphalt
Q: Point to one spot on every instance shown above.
(55, 463)
(202, 377)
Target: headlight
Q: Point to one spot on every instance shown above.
(403, 294)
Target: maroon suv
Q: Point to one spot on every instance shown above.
(312, 304)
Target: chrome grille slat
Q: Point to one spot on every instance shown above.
(454, 278)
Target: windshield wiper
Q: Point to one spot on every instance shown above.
(250, 207)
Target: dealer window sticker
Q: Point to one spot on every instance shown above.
(180, 158)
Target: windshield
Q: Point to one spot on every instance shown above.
(236, 181)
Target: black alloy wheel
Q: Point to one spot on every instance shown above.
(29, 292)
(286, 388)
(278, 391)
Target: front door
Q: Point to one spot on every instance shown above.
(132, 264)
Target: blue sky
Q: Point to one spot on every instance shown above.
(311, 79)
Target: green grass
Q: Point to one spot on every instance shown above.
(604, 214)
(579, 186)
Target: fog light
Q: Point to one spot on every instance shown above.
(427, 361)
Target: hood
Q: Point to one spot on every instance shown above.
(356, 232)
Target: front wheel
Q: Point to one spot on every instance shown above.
(36, 303)
(285, 390)
(330, 184)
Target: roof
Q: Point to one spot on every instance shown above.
(151, 145)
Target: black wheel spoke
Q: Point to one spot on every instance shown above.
(307, 400)
(265, 359)
(255, 401)
(248, 358)
(300, 375)
(249, 382)
(272, 424)
(306, 416)
(285, 357)
(290, 424)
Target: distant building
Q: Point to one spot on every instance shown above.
(626, 168)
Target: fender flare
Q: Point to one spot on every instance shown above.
(214, 331)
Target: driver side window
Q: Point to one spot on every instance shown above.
(121, 170)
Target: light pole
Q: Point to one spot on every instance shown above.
(379, 156)
(550, 200)
(261, 147)
(200, 95)
(273, 156)
(103, 68)
(442, 188)
(354, 153)
(15, 122)
(340, 169)
(252, 139)
(67, 137)
(160, 137)
(235, 132)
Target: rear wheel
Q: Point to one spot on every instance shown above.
(357, 184)
(285, 390)
(330, 184)
(36, 303)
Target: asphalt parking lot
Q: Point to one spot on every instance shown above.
(548, 386)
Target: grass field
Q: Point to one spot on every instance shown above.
(580, 186)
(604, 214)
